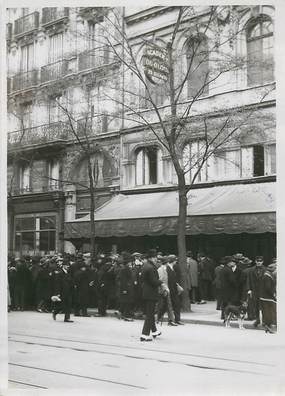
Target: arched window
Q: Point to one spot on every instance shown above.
(193, 154)
(148, 165)
(197, 57)
(260, 67)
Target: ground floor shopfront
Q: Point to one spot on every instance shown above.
(221, 220)
(35, 224)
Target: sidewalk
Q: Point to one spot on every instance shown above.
(205, 314)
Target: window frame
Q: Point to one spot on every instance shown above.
(259, 76)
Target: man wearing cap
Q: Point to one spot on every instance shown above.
(151, 283)
(254, 278)
(268, 297)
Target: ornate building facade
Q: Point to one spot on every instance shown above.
(70, 84)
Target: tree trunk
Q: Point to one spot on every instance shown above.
(92, 209)
(181, 242)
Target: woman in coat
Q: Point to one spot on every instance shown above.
(268, 298)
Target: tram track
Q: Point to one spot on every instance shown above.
(145, 358)
(133, 348)
(27, 384)
(74, 375)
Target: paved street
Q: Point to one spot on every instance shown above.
(106, 356)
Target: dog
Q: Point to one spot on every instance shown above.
(234, 311)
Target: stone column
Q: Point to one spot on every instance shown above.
(69, 213)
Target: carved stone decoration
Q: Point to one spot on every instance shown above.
(114, 152)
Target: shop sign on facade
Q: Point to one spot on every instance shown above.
(155, 63)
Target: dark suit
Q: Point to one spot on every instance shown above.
(254, 279)
(151, 282)
(173, 279)
(62, 285)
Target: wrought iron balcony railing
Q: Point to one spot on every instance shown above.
(24, 80)
(54, 14)
(54, 71)
(42, 134)
(93, 58)
(26, 24)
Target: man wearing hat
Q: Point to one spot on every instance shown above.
(218, 282)
(151, 283)
(62, 287)
(254, 278)
(126, 287)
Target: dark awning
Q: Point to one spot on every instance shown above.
(231, 209)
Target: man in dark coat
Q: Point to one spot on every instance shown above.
(206, 276)
(105, 279)
(126, 288)
(81, 283)
(173, 275)
(62, 286)
(254, 278)
(22, 281)
(43, 287)
(218, 282)
(231, 284)
(268, 298)
(151, 283)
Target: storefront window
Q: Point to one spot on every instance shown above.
(35, 234)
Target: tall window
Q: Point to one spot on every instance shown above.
(193, 154)
(25, 178)
(27, 58)
(53, 174)
(148, 165)
(197, 57)
(260, 60)
(55, 48)
(26, 114)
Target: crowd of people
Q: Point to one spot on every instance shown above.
(138, 285)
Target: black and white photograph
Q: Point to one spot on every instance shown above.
(140, 194)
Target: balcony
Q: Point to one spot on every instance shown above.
(26, 24)
(43, 134)
(23, 81)
(54, 71)
(53, 15)
(95, 58)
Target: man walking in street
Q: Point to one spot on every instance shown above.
(151, 283)
(62, 287)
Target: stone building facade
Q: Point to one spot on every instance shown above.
(67, 84)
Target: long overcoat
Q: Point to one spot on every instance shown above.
(151, 282)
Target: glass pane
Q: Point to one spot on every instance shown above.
(51, 240)
(47, 223)
(44, 241)
(28, 243)
(25, 223)
(272, 156)
(47, 241)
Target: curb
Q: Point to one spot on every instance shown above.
(206, 322)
